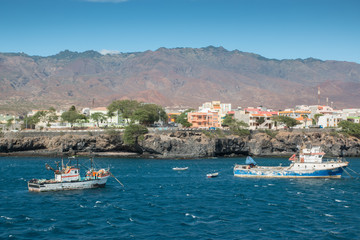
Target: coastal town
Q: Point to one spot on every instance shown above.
(208, 116)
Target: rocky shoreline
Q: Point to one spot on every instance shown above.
(180, 144)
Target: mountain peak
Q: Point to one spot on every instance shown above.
(69, 55)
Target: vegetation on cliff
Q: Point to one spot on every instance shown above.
(236, 127)
(133, 133)
(350, 128)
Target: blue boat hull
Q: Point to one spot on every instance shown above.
(328, 173)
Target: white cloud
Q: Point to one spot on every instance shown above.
(104, 1)
(105, 51)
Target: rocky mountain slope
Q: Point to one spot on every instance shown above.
(172, 77)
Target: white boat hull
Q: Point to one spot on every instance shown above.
(60, 186)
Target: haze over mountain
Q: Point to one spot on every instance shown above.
(174, 77)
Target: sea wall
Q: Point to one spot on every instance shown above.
(180, 144)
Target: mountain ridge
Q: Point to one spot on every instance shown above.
(174, 77)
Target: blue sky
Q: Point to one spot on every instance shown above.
(281, 29)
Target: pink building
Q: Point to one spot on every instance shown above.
(204, 119)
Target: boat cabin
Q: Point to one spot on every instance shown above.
(68, 174)
(311, 155)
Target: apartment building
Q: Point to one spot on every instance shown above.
(204, 119)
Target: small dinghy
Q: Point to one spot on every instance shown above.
(180, 168)
(212, 175)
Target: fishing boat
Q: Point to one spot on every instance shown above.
(180, 168)
(67, 177)
(308, 163)
(212, 175)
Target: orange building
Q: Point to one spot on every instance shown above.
(172, 117)
(204, 119)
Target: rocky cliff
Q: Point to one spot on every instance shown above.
(183, 144)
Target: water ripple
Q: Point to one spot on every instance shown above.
(158, 203)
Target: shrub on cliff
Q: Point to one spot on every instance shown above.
(271, 133)
(238, 128)
(111, 132)
(350, 128)
(133, 133)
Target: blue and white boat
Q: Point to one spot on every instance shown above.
(308, 164)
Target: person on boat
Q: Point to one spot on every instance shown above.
(251, 163)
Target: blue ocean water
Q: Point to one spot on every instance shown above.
(159, 203)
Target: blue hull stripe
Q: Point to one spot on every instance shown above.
(319, 173)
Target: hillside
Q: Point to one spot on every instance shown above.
(173, 77)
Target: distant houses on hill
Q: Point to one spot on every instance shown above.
(210, 115)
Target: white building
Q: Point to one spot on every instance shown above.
(329, 120)
(216, 106)
(252, 116)
(352, 112)
(354, 119)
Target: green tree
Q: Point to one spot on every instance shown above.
(350, 128)
(9, 122)
(40, 116)
(260, 120)
(51, 116)
(147, 114)
(98, 116)
(316, 117)
(305, 116)
(125, 108)
(29, 122)
(288, 121)
(183, 119)
(72, 116)
(133, 133)
(228, 120)
(46, 116)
